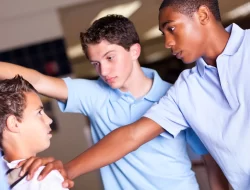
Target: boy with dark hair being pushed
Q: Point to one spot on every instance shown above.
(24, 132)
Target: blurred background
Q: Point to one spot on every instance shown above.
(44, 35)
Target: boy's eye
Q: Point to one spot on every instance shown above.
(40, 112)
(171, 29)
(95, 63)
(110, 57)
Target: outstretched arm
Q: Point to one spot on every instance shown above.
(114, 146)
(111, 148)
(46, 85)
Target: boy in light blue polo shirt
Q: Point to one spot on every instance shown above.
(123, 94)
(213, 97)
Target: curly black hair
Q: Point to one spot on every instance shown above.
(116, 29)
(188, 7)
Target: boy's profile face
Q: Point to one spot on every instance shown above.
(112, 62)
(184, 35)
(35, 125)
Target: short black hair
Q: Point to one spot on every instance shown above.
(116, 29)
(188, 7)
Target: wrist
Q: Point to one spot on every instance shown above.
(69, 172)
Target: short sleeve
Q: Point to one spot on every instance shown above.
(167, 114)
(83, 94)
(195, 143)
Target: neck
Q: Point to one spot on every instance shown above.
(15, 151)
(216, 43)
(137, 83)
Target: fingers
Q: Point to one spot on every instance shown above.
(68, 183)
(63, 172)
(20, 164)
(55, 165)
(25, 165)
(38, 162)
(32, 164)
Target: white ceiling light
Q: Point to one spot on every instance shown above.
(152, 33)
(126, 10)
(240, 11)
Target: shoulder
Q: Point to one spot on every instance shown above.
(53, 175)
(87, 85)
(52, 181)
(246, 39)
(79, 81)
(186, 80)
(247, 32)
(186, 77)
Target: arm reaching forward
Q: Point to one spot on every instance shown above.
(111, 148)
(114, 146)
(46, 85)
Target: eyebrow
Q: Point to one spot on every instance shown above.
(103, 55)
(107, 53)
(40, 108)
(163, 25)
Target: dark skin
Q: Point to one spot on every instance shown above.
(202, 32)
(207, 38)
(130, 138)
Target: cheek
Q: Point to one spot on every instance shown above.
(97, 69)
(126, 63)
(195, 38)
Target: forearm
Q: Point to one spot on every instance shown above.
(110, 149)
(113, 147)
(217, 179)
(46, 85)
(9, 70)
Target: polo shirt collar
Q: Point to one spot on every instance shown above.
(152, 95)
(12, 164)
(158, 85)
(235, 39)
(232, 46)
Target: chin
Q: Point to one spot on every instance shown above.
(188, 61)
(46, 146)
(115, 86)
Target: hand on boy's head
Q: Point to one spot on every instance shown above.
(32, 164)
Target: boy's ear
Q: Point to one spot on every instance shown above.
(204, 14)
(135, 51)
(12, 124)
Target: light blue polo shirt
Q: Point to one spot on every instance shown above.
(215, 102)
(3, 179)
(160, 164)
